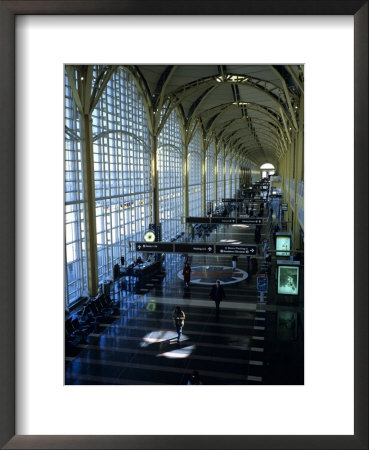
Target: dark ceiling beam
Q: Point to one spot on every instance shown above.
(160, 95)
(195, 105)
(163, 80)
(244, 80)
(295, 78)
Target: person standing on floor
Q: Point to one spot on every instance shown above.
(178, 319)
(234, 262)
(187, 274)
(217, 294)
(265, 246)
(257, 234)
(194, 378)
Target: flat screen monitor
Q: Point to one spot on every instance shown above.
(283, 245)
(288, 280)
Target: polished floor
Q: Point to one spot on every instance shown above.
(251, 342)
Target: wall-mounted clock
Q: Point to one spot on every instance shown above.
(149, 236)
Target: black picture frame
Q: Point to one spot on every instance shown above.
(295, 270)
(8, 278)
(280, 252)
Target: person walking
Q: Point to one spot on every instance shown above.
(187, 274)
(178, 319)
(265, 246)
(217, 294)
(257, 234)
(234, 262)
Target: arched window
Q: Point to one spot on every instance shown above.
(228, 177)
(267, 169)
(170, 172)
(122, 166)
(123, 192)
(210, 178)
(235, 176)
(75, 238)
(220, 176)
(194, 176)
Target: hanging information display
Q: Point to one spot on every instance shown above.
(153, 247)
(226, 220)
(250, 221)
(184, 247)
(236, 249)
(191, 247)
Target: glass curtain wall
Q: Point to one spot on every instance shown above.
(210, 177)
(220, 177)
(228, 177)
(235, 176)
(194, 176)
(75, 239)
(170, 178)
(122, 165)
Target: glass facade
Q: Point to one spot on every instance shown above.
(122, 171)
(170, 177)
(228, 177)
(123, 179)
(194, 176)
(210, 167)
(122, 176)
(220, 176)
(235, 176)
(75, 239)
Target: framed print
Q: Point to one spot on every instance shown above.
(283, 244)
(28, 432)
(288, 280)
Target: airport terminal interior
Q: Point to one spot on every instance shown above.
(184, 224)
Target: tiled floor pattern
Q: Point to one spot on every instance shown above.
(139, 346)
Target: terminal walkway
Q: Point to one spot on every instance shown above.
(139, 345)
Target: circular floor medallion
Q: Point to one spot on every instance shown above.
(210, 274)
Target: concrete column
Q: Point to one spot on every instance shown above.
(224, 173)
(216, 176)
(185, 175)
(155, 179)
(90, 207)
(299, 169)
(203, 181)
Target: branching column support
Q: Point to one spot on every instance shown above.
(90, 207)
(155, 127)
(204, 147)
(299, 171)
(224, 172)
(86, 94)
(290, 171)
(155, 180)
(231, 175)
(187, 135)
(282, 170)
(295, 214)
(185, 175)
(216, 173)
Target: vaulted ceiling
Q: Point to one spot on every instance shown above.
(253, 110)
